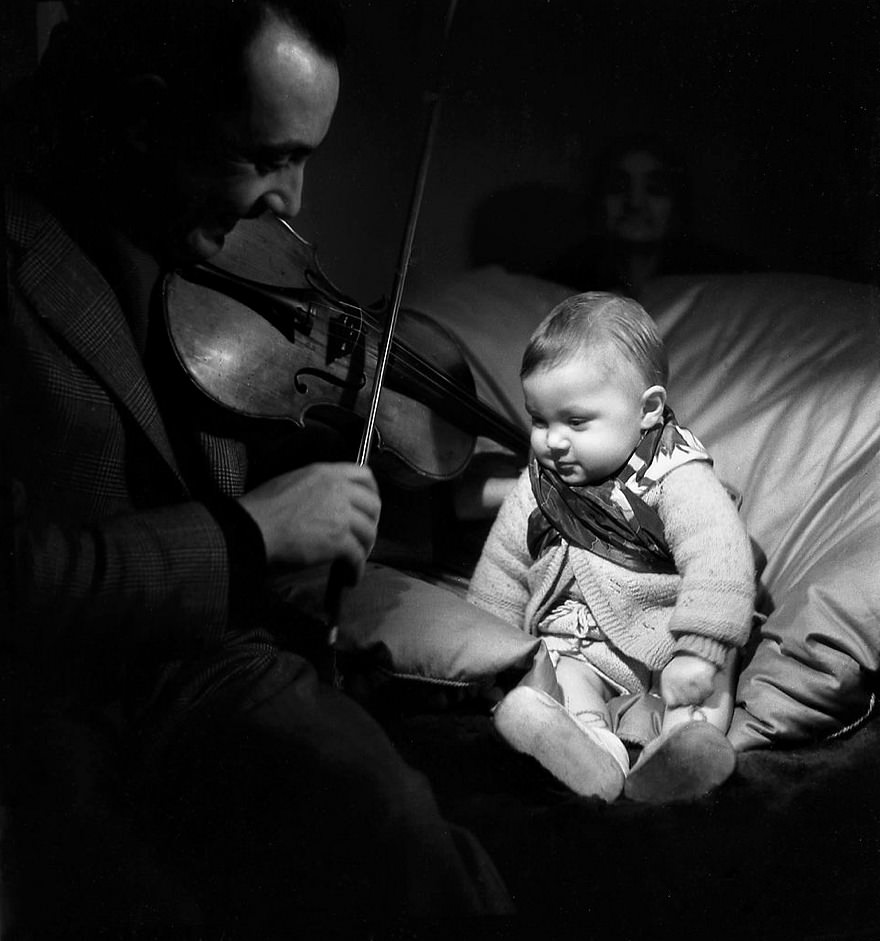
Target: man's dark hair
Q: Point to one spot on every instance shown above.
(168, 36)
(83, 92)
(194, 45)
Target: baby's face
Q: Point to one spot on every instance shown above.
(585, 422)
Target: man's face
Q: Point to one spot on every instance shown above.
(253, 156)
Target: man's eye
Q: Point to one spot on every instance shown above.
(236, 162)
(271, 166)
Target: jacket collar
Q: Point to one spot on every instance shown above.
(72, 297)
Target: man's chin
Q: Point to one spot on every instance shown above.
(203, 244)
(195, 246)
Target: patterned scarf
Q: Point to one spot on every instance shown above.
(610, 518)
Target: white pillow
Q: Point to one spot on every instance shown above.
(779, 376)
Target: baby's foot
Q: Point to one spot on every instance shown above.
(690, 762)
(590, 760)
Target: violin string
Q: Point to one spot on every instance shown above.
(417, 366)
(413, 364)
(421, 369)
(443, 382)
(409, 362)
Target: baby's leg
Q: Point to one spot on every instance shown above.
(692, 755)
(586, 692)
(717, 709)
(572, 741)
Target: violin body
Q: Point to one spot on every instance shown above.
(319, 368)
(264, 333)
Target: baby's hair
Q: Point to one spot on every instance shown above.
(589, 321)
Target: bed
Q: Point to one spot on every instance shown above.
(779, 375)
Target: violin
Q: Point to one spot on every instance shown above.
(264, 332)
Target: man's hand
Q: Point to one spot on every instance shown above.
(687, 680)
(317, 514)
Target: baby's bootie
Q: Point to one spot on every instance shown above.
(688, 763)
(588, 758)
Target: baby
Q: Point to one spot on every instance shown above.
(622, 550)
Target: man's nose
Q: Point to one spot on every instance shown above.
(284, 197)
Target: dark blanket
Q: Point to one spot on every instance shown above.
(788, 848)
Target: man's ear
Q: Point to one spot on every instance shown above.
(148, 102)
(653, 403)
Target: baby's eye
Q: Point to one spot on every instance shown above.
(578, 422)
(538, 423)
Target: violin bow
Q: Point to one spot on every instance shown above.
(340, 577)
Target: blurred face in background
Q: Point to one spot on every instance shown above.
(638, 200)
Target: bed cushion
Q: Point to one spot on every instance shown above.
(410, 627)
(779, 375)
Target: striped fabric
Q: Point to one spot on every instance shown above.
(112, 545)
(610, 518)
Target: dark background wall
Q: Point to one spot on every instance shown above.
(773, 104)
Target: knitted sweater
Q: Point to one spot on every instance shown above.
(705, 608)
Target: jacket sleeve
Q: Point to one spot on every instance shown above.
(100, 543)
(712, 552)
(158, 577)
(499, 583)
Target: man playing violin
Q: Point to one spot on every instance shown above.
(144, 680)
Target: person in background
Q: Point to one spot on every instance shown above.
(621, 549)
(634, 226)
(640, 217)
(171, 750)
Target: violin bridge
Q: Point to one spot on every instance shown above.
(343, 333)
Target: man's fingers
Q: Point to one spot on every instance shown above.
(367, 501)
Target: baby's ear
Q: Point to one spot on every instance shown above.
(653, 403)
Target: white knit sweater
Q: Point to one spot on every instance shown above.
(704, 609)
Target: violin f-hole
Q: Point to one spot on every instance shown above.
(352, 385)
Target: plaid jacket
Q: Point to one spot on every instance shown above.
(110, 547)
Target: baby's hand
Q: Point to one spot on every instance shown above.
(687, 680)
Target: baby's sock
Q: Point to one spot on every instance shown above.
(594, 724)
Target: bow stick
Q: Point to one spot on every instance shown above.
(340, 577)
